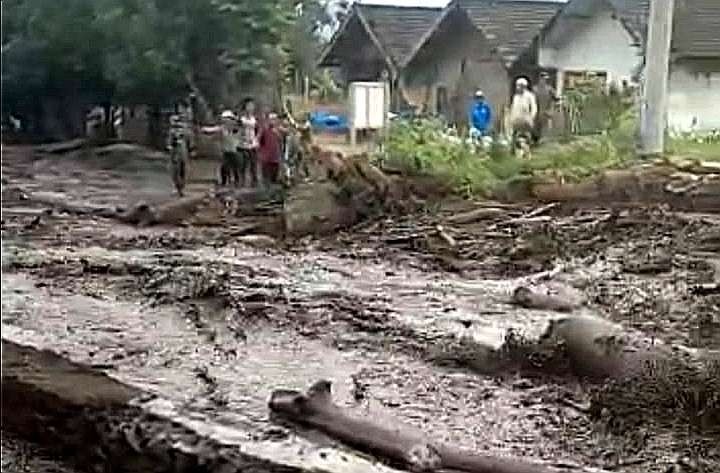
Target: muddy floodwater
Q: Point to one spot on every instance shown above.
(212, 321)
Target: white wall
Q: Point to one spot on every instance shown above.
(594, 43)
(694, 96)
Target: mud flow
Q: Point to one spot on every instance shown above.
(411, 317)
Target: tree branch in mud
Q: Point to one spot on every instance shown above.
(398, 444)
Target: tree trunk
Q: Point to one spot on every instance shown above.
(389, 439)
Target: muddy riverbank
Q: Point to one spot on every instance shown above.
(397, 315)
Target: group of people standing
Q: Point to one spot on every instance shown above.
(252, 146)
(528, 116)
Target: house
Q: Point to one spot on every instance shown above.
(598, 37)
(373, 43)
(607, 38)
(475, 44)
(695, 66)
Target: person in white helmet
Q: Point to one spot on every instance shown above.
(230, 142)
(523, 111)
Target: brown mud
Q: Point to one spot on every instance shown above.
(406, 314)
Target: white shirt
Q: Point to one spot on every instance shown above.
(248, 132)
(524, 107)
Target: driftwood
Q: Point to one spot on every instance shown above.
(475, 215)
(397, 444)
(172, 212)
(63, 146)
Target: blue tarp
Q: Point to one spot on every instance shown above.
(328, 122)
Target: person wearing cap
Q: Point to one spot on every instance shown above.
(480, 116)
(546, 98)
(229, 142)
(523, 110)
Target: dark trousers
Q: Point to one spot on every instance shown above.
(230, 168)
(249, 163)
(269, 171)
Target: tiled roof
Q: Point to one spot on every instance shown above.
(511, 25)
(697, 28)
(398, 29)
(696, 31)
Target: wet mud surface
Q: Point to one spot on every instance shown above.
(399, 317)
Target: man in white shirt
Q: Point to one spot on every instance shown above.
(249, 142)
(523, 110)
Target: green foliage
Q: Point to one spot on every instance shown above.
(691, 147)
(137, 51)
(421, 148)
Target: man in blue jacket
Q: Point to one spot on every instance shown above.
(480, 116)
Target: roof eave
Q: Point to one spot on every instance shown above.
(373, 37)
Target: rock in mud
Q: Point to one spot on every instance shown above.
(553, 296)
(316, 208)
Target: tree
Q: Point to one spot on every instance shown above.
(51, 66)
(65, 56)
(315, 21)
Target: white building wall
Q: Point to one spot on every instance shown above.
(694, 101)
(598, 43)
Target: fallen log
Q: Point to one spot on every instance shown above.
(102, 424)
(475, 215)
(63, 146)
(398, 444)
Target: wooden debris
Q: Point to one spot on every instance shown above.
(391, 441)
(446, 237)
(475, 215)
(63, 147)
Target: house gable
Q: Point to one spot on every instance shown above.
(390, 32)
(450, 64)
(511, 25)
(588, 35)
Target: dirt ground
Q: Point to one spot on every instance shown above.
(214, 319)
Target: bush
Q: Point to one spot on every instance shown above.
(422, 147)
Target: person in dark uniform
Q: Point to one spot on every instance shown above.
(546, 98)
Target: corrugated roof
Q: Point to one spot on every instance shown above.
(511, 25)
(398, 28)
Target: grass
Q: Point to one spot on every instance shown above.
(420, 148)
(688, 148)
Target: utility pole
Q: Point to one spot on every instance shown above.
(653, 114)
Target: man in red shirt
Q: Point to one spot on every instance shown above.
(270, 149)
